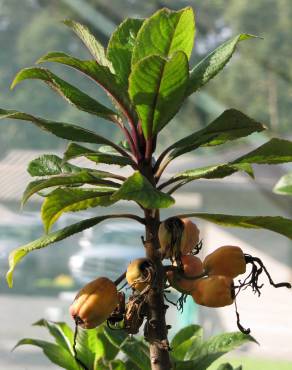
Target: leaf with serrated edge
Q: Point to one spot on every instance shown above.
(17, 254)
(72, 200)
(230, 125)
(213, 63)
(60, 129)
(284, 185)
(157, 88)
(95, 47)
(69, 92)
(139, 189)
(277, 224)
(74, 150)
(165, 33)
(120, 47)
(100, 74)
(80, 178)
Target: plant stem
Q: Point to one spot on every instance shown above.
(155, 330)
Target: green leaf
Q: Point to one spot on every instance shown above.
(165, 33)
(284, 185)
(87, 344)
(210, 172)
(130, 346)
(181, 351)
(185, 334)
(120, 47)
(107, 350)
(273, 152)
(157, 88)
(217, 346)
(210, 350)
(72, 200)
(213, 63)
(17, 254)
(185, 339)
(50, 164)
(139, 189)
(60, 129)
(95, 47)
(277, 224)
(101, 74)
(69, 92)
(55, 353)
(230, 125)
(77, 179)
(74, 150)
(60, 331)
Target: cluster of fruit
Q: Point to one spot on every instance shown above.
(210, 282)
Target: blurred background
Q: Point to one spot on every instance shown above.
(256, 81)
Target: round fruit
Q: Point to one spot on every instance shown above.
(214, 291)
(177, 236)
(226, 260)
(138, 273)
(94, 303)
(192, 267)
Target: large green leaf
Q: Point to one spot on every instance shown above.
(74, 150)
(55, 353)
(50, 164)
(139, 189)
(213, 63)
(157, 88)
(120, 47)
(210, 350)
(60, 331)
(95, 47)
(185, 339)
(107, 350)
(72, 200)
(273, 152)
(87, 344)
(69, 92)
(277, 224)
(284, 185)
(101, 74)
(132, 347)
(217, 346)
(186, 333)
(17, 254)
(60, 129)
(165, 33)
(76, 179)
(181, 352)
(230, 125)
